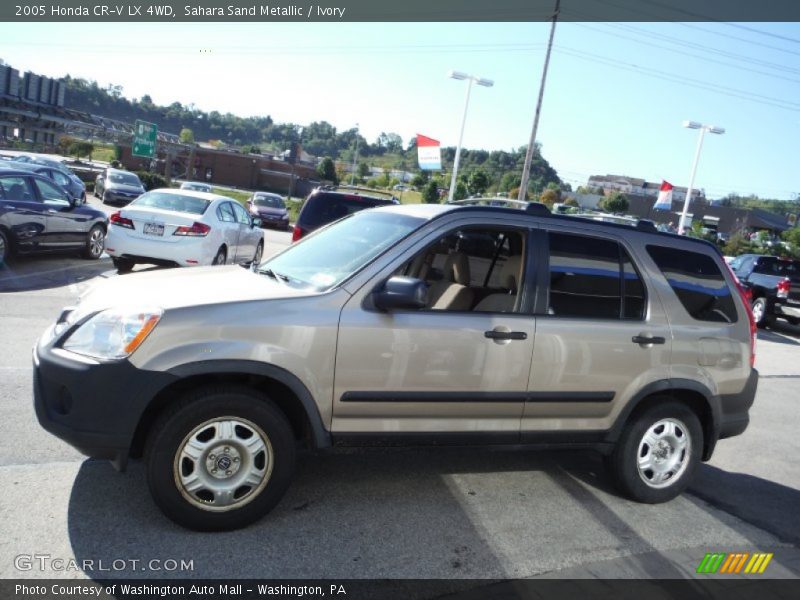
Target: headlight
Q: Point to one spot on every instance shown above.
(113, 334)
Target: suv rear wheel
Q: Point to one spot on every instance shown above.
(220, 459)
(658, 452)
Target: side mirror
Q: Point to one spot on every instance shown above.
(73, 202)
(256, 222)
(401, 292)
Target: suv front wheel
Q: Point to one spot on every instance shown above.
(220, 459)
(658, 452)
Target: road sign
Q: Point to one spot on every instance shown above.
(144, 139)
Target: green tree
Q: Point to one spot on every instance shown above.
(186, 136)
(430, 193)
(80, 148)
(327, 170)
(363, 169)
(478, 182)
(420, 179)
(792, 236)
(616, 202)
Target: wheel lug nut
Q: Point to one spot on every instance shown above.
(235, 459)
(211, 456)
(227, 472)
(227, 449)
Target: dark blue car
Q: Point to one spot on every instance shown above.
(37, 215)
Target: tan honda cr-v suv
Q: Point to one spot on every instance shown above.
(430, 324)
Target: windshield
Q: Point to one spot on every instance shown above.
(269, 201)
(197, 187)
(124, 179)
(174, 202)
(330, 256)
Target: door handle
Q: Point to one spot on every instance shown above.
(505, 335)
(646, 340)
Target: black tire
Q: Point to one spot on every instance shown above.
(5, 247)
(103, 198)
(220, 258)
(95, 243)
(123, 265)
(173, 428)
(623, 461)
(761, 313)
(258, 255)
(793, 320)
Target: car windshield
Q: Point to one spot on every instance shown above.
(174, 202)
(197, 187)
(269, 201)
(124, 178)
(333, 254)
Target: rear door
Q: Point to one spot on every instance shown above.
(601, 336)
(229, 226)
(22, 212)
(246, 239)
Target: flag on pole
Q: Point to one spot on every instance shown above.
(429, 153)
(664, 201)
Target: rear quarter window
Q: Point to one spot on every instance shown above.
(698, 283)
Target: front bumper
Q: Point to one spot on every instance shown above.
(93, 406)
(787, 310)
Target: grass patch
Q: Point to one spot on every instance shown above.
(103, 153)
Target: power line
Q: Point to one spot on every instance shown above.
(683, 80)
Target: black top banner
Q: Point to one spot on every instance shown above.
(397, 11)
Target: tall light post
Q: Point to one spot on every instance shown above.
(703, 128)
(472, 79)
(355, 158)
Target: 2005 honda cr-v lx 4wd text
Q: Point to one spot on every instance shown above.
(427, 324)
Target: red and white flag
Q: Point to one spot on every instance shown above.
(429, 153)
(664, 201)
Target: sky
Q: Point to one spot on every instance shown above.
(614, 101)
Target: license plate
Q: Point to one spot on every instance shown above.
(153, 229)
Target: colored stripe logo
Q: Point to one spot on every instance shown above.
(734, 562)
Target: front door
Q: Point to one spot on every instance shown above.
(459, 366)
(65, 225)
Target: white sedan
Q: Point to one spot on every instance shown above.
(183, 228)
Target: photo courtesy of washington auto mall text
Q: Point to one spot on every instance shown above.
(409, 300)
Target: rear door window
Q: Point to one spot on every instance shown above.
(697, 282)
(593, 278)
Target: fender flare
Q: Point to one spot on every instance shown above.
(666, 387)
(321, 436)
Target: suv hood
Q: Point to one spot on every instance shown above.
(178, 288)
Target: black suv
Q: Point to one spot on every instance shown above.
(37, 215)
(326, 205)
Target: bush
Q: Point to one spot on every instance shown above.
(430, 193)
(151, 181)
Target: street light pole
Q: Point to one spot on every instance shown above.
(355, 158)
(472, 79)
(703, 128)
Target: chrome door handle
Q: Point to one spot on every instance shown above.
(647, 340)
(505, 335)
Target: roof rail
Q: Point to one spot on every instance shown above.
(358, 190)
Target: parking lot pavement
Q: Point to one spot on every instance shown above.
(382, 513)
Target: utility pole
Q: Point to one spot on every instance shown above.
(526, 171)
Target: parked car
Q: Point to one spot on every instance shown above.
(183, 228)
(77, 191)
(76, 186)
(270, 208)
(325, 205)
(774, 284)
(37, 215)
(197, 186)
(379, 330)
(115, 186)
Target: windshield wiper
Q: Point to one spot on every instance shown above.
(273, 274)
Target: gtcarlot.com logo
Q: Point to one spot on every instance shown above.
(734, 562)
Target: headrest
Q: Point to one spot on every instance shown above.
(509, 273)
(456, 268)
